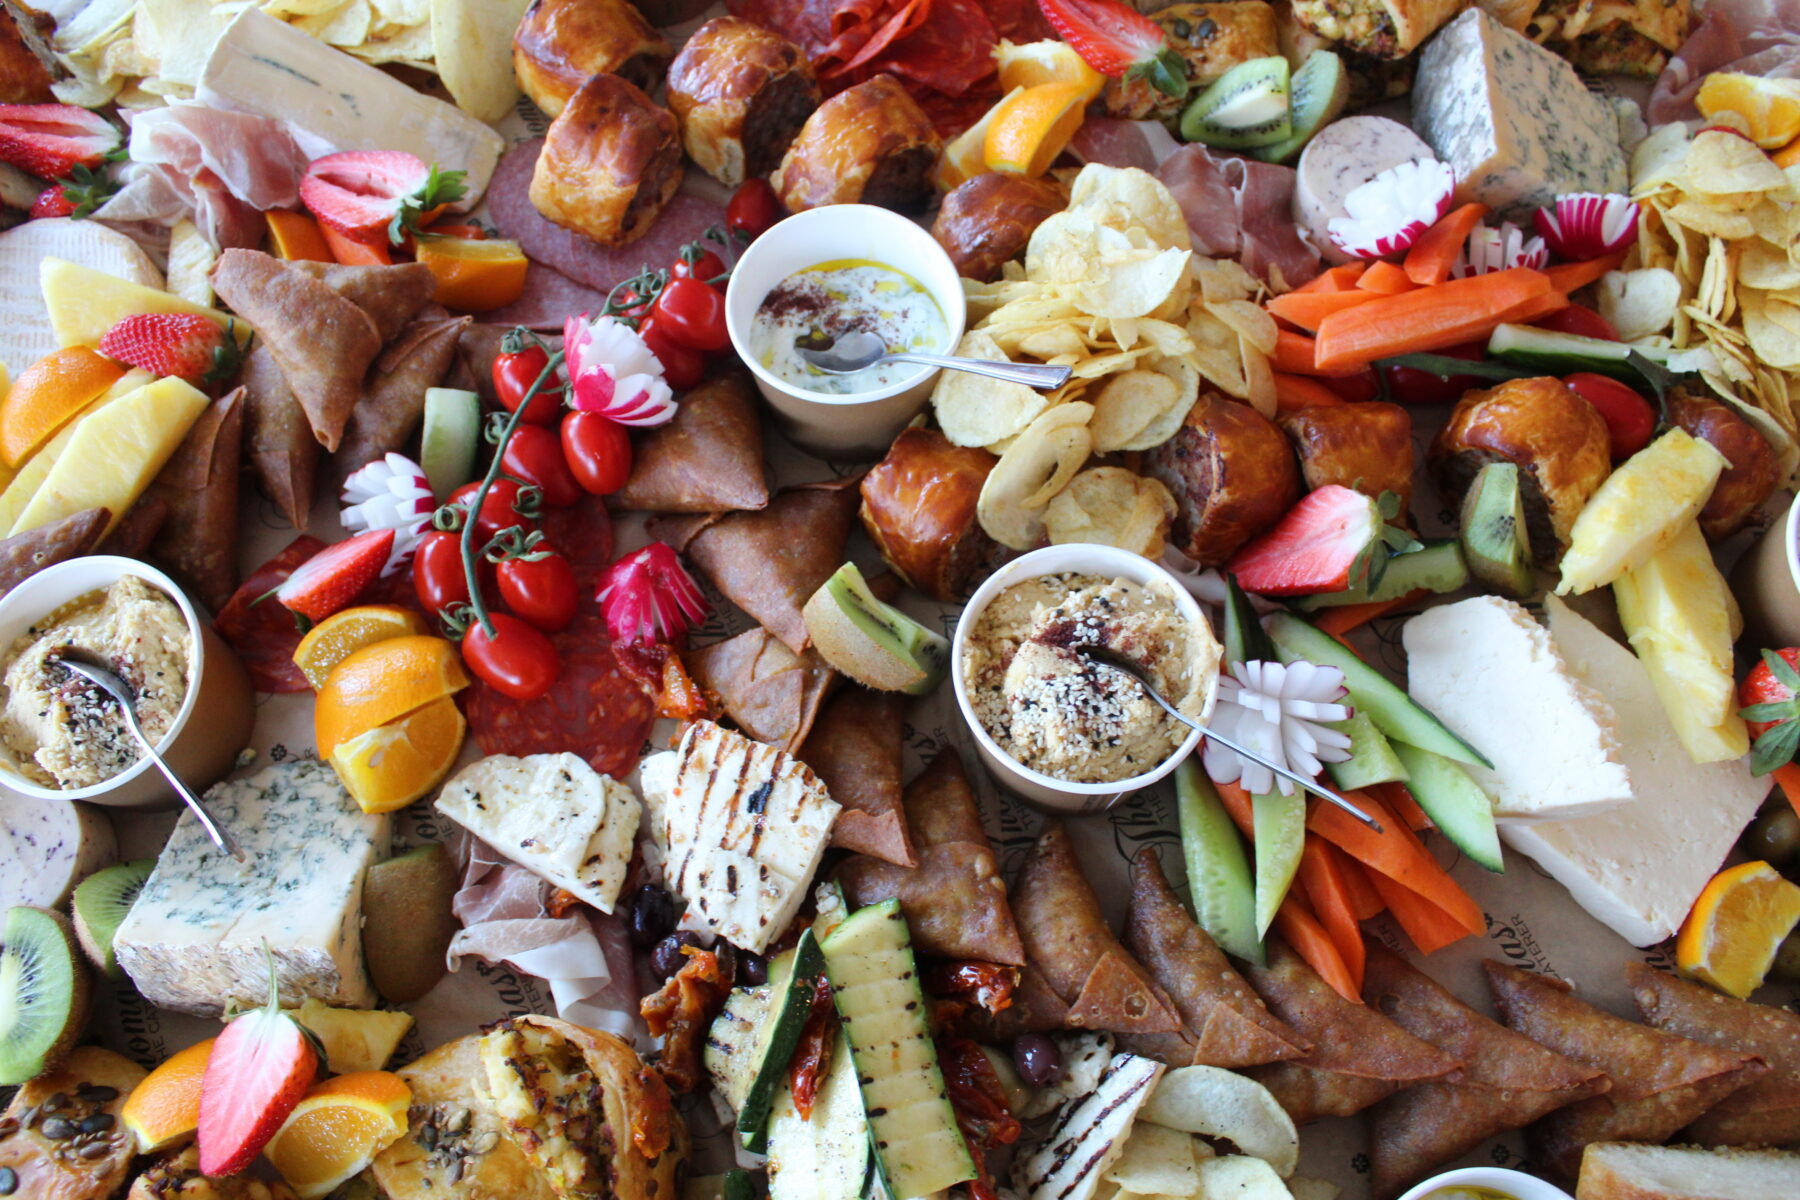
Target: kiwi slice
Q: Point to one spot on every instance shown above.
(43, 992)
(1318, 93)
(101, 902)
(407, 922)
(1245, 108)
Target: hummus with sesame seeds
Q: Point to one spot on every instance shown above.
(1052, 710)
(65, 732)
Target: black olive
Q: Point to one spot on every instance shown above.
(652, 915)
(667, 958)
(1038, 1059)
(753, 969)
(1774, 837)
(1787, 959)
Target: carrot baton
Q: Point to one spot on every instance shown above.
(1295, 392)
(1430, 259)
(1329, 897)
(1428, 318)
(1307, 309)
(1429, 927)
(1385, 279)
(1337, 279)
(1566, 277)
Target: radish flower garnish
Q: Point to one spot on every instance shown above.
(648, 597)
(1277, 711)
(613, 372)
(1388, 213)
(1587, 224)
(1489, 250)
(390, 493)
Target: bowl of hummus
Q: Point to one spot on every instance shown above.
(1051, 725)
(61, 738)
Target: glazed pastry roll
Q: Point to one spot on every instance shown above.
(1232, 475)
(1367, 447)
(610, 162)
(1385, 29)
(857, 750)
(1756, 467)
(1211, 39)
(561, 43)
(768, 691)
(708, 459)
(869, 144)
(741, 93)
(988, 220)
(918, 506)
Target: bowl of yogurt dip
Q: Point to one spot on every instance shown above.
(1485, 1183)
(835, 270)
(60, 740)
(1058, 730)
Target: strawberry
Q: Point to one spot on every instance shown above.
(259, 1069)
(51, 202)
(377, 196)
(77, 196)
(185, 345)
(51, 140)
(336, 575)
(648, 597)
(1770, 695)
(1119, 41)
(1332, 537)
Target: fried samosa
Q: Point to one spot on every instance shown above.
(393, 401)
(708, 459)
(198, 538)
(771, 693)
(24, 555)
(856, 747)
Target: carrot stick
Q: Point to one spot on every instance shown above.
(1428, 318)
(1295, 392)
(1330, 900)
(1337, 279)
(1431, 257)
(1307, 309)
(1365, 901)
(1385, 279)
(1528, 311)
(351, 252)
(1787, 778)
(1303, 932)
(1293, 353)
(1429, 927)
(1396, 796)
(1396, 853)
(1566, 277)
(1343, 618)
(1239, 807)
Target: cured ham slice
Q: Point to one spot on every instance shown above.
(1241, 209)
(1752, 37)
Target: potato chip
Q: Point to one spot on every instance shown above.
(1242, 1178)
(1048, 341)
(1775, 341)
(1724, 166)
(1639, 303)
(1095, 366)
(1155, 1160)
(973, 410)
(1126, 198)
(1215, 1102)
(472, 46)
(1711, 221)
(1259, 381)
(1764, 266)
(1038, 464)
(1111, 506)
(1251, 321)
(1134, 286)
(1127, 405)
(1066, 247)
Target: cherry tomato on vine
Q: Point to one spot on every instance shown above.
(1409, 386)
(631, 302)
(534, 454)
(539, 590)
(753, 207)
(694, 314)
(437, 572)
(598, 451)
(683, 366)
(1630, 420)
(1581, 321)
(513, 376)
(516, 660)
(705, 265)
(501, 508)
(1363, 385)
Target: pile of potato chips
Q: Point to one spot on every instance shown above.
(1725, 219)
(1111, 288)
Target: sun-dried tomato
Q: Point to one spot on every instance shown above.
(988, 986)
(683, 1009)
(560, 902)
(653, 1116)
(979, 1101)
(812, 1056)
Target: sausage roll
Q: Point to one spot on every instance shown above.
(27, 66)
(1386, 29)
(1231, 472)
(741, 93)
(1211, 39)
(988, 219)
(610, 162)
(1367, 447)
(1755, 469)
(870, 144)
(560, 43)
(918, 505)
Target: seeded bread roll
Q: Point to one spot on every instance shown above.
(989, 219)
(610, 162)
(741, 93)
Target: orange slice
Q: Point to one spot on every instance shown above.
(48, 395)
(381, 682)
(337, 1130)
(1031, 127)
(1737, 924)
(343, 633)
(164, 1108)
(965, 155)
(392, 765)
(473, 276)
(1770, 107)
(1029, 64)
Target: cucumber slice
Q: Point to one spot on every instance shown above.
(1280, 836)
(1394, 712)
(1219, 883)
(731, 1043)
(792, 978)
(452, 433)
(1245, 640)
(1455, 803)
(736, 1185)
(1437, 566)
(1372, 758)
(875, 980)
(824, 1156)
(1559, 354)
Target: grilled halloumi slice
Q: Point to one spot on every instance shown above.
(552, 814)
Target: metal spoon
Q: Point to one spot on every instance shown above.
(1106, 657)
(860, 350)
(80, 662)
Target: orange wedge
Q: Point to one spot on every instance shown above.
(164, 1108)
(381, 683)
(343, 633)
(1730, 937)
(473, 276)
(1031, 127)
(1788, 155)
(294, 235)
(1770, 107)
(48, 395)
(1029, 64)
(337, 1130)
(965, 155)
(392, 765)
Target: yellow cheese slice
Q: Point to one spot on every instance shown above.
(84, 303)
(23, 484)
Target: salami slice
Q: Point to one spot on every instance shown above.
(550, 298)
(595, 709)
(265, 635)
(584, 533)
(581, 258)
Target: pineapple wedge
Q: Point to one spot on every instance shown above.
(191, 260)
(23, 484)
(85, 303)
(115, 453)
(1639, 509)
(1680, 618)
(355, 1039)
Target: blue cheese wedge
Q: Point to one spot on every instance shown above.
(552, 814)
(194, 939)
(1512, 119)
(741, 826)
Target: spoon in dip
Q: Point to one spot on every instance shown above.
(79, 662)
(1106, 657)
(860, 350)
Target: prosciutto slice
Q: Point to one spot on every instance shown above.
(1752, 37)
(1116, 142)
(1242, 209)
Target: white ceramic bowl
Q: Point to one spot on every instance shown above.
(852, 424)
(1516, 1184)
(212, 725)
(1766, 582)
(1106, 562)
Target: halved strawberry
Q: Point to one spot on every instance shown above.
(259, 1069)
(336, 575)
(377, 196)
(185, 345)
(1323, 544)
(648, 597)
(1119, 41)
(51, 140)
